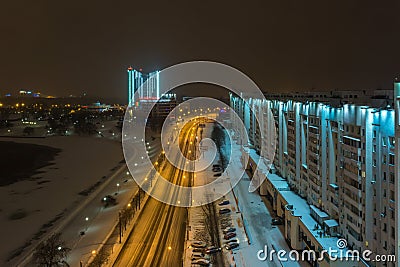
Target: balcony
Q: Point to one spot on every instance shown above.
(351, 175)
(352, 202)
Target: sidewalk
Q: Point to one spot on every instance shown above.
(257, 221)
(99, 223)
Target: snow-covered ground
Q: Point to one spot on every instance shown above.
(257, 222)
(198, 228)
(82, 162)
(248, 215)
(197, 215)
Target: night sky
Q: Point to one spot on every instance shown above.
(67, 47)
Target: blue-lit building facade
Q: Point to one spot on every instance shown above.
(336, 152)
(147, 85)
(144, 93)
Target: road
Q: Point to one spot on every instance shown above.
(159, 233)
(88, 215)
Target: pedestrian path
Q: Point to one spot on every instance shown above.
(256, 221)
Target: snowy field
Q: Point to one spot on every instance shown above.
(26, 206)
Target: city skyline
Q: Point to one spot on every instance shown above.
(67, 49)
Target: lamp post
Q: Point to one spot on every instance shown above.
(87, 223)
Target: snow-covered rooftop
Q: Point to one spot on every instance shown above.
(301, 208)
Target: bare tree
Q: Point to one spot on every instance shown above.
(209, 222)
(51, 252)
(101, 258)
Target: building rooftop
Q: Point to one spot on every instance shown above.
(372, 98)
(300, 208)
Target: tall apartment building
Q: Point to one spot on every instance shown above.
(147, 86)
(144, 94)
(336, 152)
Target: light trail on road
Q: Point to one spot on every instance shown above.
(158, 235)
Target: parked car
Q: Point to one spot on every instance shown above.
(202, 262)
(198, 249)
(224, 210)
(199, 244)
(216, 166)
(217, 169)
(229, 230)
(231, 245)
(232, 241)
(212, 250)
(276, 221)
(229, 235)
(217, 174)
(197, 255)
(224, 202)
(226, 224)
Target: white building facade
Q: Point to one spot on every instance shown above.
(339, 157)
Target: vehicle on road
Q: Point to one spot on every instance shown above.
(224, 210)
(276, 221)
(217, 174)
(108, 200)
(224, 202)
(229, 230)
(231, 245)
(199, 244)
(229, 235)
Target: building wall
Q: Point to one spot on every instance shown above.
(397, 167)
(147, 85)
(341, 159)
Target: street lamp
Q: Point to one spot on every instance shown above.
(117, 188)
(87, 225)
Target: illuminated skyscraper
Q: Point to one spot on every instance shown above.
(147, 84)
(144, 93)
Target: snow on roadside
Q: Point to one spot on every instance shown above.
(198, 228)
(82, 162)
